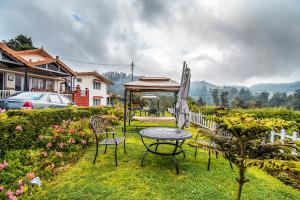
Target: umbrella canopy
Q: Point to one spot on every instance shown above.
(182, 108)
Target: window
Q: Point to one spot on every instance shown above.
(35, 83)
(79, 80)
(53, 98)
(49, 85)
(96, 102)
(65, 100)
(53, 67)
(18, 83)
(42, 84)
(97, 85)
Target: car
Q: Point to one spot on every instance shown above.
(35, 100)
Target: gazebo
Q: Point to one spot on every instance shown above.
(147, 84)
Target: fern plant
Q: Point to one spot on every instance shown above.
(246, 146)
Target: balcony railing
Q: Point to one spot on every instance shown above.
(6, 93)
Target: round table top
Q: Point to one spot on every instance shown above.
(164, 133)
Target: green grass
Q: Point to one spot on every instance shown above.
(157, 178)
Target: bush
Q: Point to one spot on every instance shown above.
(21, 128)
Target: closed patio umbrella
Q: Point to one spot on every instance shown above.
(182, 108)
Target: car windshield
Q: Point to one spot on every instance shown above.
(26, 96)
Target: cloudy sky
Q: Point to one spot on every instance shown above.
(224, 42)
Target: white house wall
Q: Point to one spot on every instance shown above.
(88, 82)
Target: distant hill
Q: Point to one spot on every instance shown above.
(275, 87)
(118, 78)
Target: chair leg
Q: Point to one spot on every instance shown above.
(208, 166)
(105, 149)
(96, 154)
(116, 156)
(125, 147)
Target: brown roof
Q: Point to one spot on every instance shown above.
(153, 84)
(97, 75)
(46, 58)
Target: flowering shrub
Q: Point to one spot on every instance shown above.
(56, 146)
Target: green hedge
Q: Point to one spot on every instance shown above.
(33, 122)
(283, 113)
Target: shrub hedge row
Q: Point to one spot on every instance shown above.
(33, 122)
(283, 113)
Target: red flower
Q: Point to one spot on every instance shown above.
(72, 131)
(30, 175)
(83, 142)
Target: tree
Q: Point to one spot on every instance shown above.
(294, 100)
(244, 96)
(200, 101)
(246, 146)
(261, 100)
(277, 100)
(20, 42)
(215, 95)
(224, 99)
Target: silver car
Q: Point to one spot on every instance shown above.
(35, 100)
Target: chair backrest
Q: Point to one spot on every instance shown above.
(98, 124)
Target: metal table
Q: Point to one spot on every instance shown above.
(165, 136)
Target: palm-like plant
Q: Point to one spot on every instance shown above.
(247, 147)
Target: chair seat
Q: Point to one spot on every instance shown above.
(110, 141)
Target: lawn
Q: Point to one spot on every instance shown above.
(157, 178)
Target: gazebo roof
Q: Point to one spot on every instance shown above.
(152, 84)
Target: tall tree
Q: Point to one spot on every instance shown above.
(277, 100)
(244, 96)
(215, 96)
(294, 100)
(261, 100)
(224, 99)
(20, 42)
(200, 101)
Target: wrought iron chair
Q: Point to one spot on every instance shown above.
(100, 128)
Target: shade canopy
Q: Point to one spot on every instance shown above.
(152, 84)
(149, 97)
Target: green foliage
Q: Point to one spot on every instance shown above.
(20, 42)
(33, 122)
(215, 96)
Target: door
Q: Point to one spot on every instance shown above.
(1, 81)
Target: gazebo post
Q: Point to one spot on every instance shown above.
(130, 107)
(125, 110)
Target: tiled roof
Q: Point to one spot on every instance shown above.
(34, 57)
(97, 75)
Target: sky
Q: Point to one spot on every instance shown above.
(236, 42)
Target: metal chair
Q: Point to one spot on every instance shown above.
(100, 128)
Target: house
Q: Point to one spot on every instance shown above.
(31, 70)
(97, 85)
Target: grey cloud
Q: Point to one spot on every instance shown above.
(255, 39)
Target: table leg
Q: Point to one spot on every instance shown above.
(176, 164)
(156, 145)
(144, 157)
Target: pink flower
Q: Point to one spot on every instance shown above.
(19, 191)
(3, 165)
(45, 154)
(30, 175)
(72, 140)
(19, 128)
(2, 110)
(20, 183)
(83, 142)
(10, 195)
(62, 145)
(49, 145)
(72, 131)
(55, 126)
(61, 130)
(1, 188)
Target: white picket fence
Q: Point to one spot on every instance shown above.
(205, 121)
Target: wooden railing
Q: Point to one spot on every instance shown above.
(6, 93)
